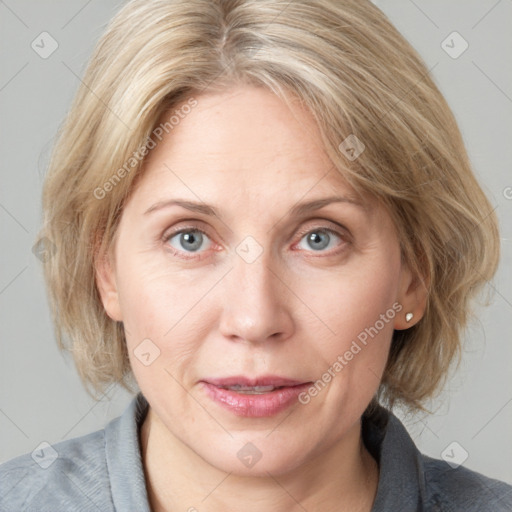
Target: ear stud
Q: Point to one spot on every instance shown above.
(408, 317)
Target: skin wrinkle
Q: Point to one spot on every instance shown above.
(291, 312)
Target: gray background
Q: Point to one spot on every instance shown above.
(41, 397)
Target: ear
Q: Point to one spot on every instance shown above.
(412, 295)
(107, 286)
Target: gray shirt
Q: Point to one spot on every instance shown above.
(103, 471)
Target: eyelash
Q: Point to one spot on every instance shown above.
(200, 255)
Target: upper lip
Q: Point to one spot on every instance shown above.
(265, 380)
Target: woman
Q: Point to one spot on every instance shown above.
(337, 236)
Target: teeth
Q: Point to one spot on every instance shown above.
(251, 390)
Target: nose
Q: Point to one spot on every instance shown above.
(256, 302)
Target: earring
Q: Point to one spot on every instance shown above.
(408, 317)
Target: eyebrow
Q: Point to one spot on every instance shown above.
(299, 209)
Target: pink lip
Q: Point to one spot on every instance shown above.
(263, 405)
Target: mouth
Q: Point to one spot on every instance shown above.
(254, 397)
(249, 390)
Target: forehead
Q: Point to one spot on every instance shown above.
(244, 139)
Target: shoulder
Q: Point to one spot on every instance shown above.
(410, 480)
(53, 477)
(460, 488)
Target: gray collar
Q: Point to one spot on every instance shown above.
(401, 479)
(124, 461)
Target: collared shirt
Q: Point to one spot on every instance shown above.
(103, 471)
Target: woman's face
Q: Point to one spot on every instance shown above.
(247, 285)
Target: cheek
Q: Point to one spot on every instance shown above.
(151, 294)
(353, 299)
(163, 316)
(358, 304)
(146, 300)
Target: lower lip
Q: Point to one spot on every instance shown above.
(255, 406)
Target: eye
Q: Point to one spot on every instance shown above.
(321, 238)
(190, 240)
(187, 240)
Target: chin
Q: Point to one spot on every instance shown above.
(253, 458)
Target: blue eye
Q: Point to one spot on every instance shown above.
(319, 239)
(188, 240)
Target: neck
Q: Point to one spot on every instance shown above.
(345, 477)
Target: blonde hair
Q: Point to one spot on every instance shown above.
(357, 75)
